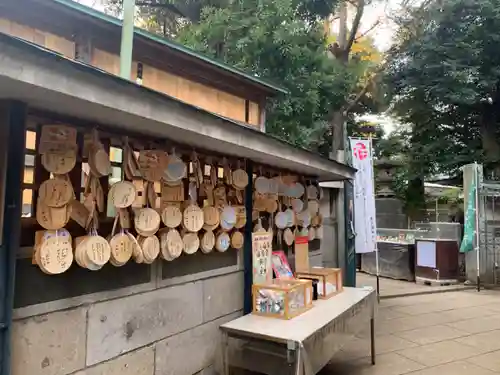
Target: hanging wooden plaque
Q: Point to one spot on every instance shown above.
(122, 194)
(207, 242)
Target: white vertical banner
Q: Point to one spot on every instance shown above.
(365, 224)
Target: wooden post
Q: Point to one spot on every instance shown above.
(127, 43)
(247, 248)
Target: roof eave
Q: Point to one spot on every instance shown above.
(82, 91)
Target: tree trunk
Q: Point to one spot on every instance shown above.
(338, 136)
(338, 119)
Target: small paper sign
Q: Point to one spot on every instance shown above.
(262, 249)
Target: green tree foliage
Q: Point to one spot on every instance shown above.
(446, 83)
(279, 41)
(168, 16)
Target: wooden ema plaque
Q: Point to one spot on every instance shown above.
(302, 253)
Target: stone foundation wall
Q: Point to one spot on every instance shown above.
(166, 331)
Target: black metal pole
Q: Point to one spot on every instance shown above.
(247, 248)
(15, 116)
(372, 339)
(378, 286)
(478, 283)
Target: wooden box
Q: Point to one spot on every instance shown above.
(329, 280)
(282, 299)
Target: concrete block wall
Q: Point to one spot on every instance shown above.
(168, 331)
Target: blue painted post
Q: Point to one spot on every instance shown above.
(15, 121)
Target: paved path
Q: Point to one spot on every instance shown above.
(393, 288)
(453, 333)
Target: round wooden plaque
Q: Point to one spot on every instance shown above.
(85, 259)
(171, 244)
(137, 253)
(121, 249)
(55, 192)
(273, 186)
(288, 236)
(175, 244)
(295, 190)
(164, 253)
(262, 185)
(240, 221)
(240, 179)
(147, 221)
(192, 218)
(211, 216)
(152, 164)
(122, 194)
(52, 218)
(150, 248)
(207, 242)
(78, 250)
(282, 187)
(55, 255)
(171, 216)
(260, 204)
(59, 163)
(175, 170)
(281, 220)
(228, 215)
(271, 206)
(237, 240)
(191, 243)
(97, 250)
(99, 162)
(222, 242)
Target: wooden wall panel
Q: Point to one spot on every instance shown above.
(197, 94)
(23, 32)
(254, 115)
(61, 45)
(231, 106)
(43, 38)
(194, 93)
(106, 61)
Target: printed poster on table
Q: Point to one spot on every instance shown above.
(281, 267)
(364, 197)
(262, 249)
